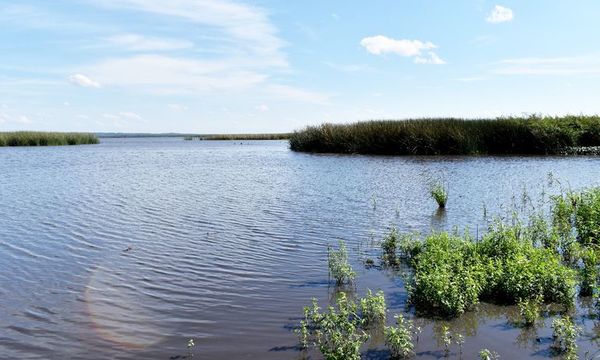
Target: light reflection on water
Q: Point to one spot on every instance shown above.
(130, 248)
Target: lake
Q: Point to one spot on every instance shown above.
(130, 248)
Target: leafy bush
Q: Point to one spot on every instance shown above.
(339, 268)
(530, 310)
(399, 338)
(453, 273)
(336, 333)
(587, 217)
(565, 335)
(590, 274)
(372, 308)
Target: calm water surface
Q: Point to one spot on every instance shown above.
(127, 249)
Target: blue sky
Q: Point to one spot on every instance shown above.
(236, 66)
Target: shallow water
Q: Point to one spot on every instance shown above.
(129, 248)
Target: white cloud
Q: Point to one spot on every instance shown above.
(262, 108)
(431, 58)
(83, 81)
(500, 14)
(136, 42)
(574, 65)
(380, 45)
(248, 26)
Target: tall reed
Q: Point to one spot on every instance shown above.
(38, 138)
(526, 135)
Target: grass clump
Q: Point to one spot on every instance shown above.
(524, 135)
(439, 194)
(37, 138)
(339, 268)
(399, 338)
(564, 333)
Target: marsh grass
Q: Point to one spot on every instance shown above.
(524, 135)
(339, 268)
(37, 138)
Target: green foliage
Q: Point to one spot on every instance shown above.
(399, 338)
(587, 217)
(446, 339)
(453, 273)
(530, 310)
(389, 246)
(590, 274)
(339, 268)
(372, 308)
(439, 194)
(36, 138)
(485, 354)
(337, 333)
(565, 335)
(528, 135)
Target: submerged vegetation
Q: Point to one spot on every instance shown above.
(524, 262)
(527, 135)
(36, 138)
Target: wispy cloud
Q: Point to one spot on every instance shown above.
(500, 14)
(83, 81)
(575, 65)
(136, 42)
(380, 45)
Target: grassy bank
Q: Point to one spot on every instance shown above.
(36, 138)
(280, 136)
(529, 135)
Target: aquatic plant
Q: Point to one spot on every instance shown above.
(439, 194)
(564, 333)
(399, 338)
(372, 308)
(337, 332)
(485, 354)
(38, 138)
(512, 135)
(529, 310)
(452, 273)
(446, 339)
(339, 268)
(190, 348)
(460, 341)
(590, 272)
(389, 246)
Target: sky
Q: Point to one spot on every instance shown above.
(251, 66)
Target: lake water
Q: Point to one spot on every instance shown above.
(130, 248)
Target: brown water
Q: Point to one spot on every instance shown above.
(130, 248)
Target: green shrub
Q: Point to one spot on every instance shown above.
(587, 217)
(439, 194)
(372, 308)
(337, 333)
(399, 338)
(589, 272)
(447, 280)
(339, 268)
(530, 310)
(564, 333)
(389, 246)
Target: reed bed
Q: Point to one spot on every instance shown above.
(279, 136)
(452, 136)
(38, 138)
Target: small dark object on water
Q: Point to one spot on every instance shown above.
(128, 248)
(369, 263)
